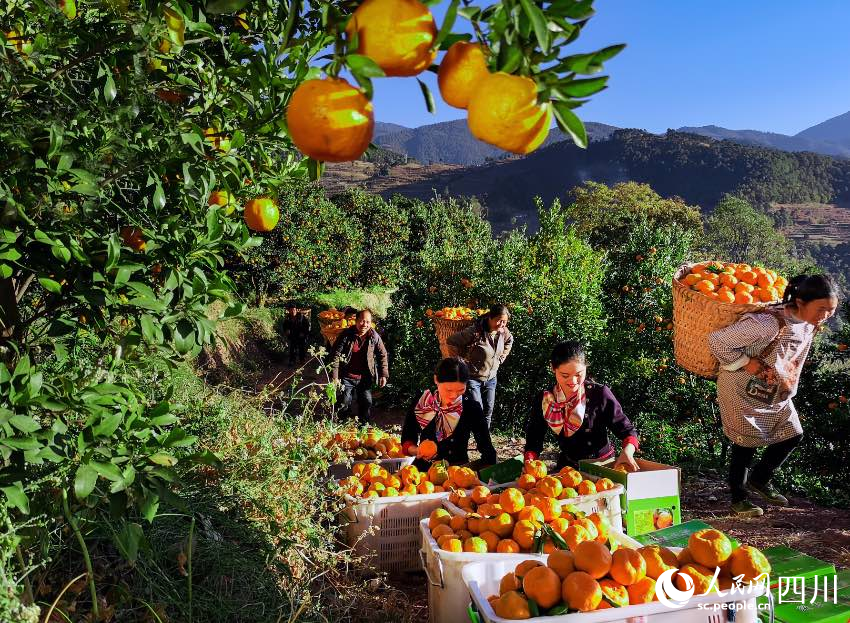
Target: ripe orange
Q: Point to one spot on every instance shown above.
(132, 237)
(479, 494)
(705, 286)
(512, 605)
(441, 530)
(615, 591)
(261, 214)
(550, 507)
(461, 68)
(710, 548)
(474, 523)
(581, 592)
(425, 487)
(562, 562)
(223, 199)
(603, 527)
(503, 111)
(743, 298)
(502, 524)
(536, 468)
(575, 535)
(531, 513)
(329, 120)
(509, 583)
(475, 545)
(511, 500)
(458, 522)
(543, 586)
(491, 539)
(684, 556)
(658, 560)
(560, 525)
(586, 487)
(627, 566)
(604, 484)
(550, 486)
(700, 575)
(508, 546)
(642, 591)
(593, 558)
(396, 34)
(525, 566)
(570, 477)
(524, 532)
(749, 562)
(725, 295)
(526, 482)
(450, 543)
(438, 516)
(427, 448)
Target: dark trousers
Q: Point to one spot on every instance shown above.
(771, 460)
(362, 389)
(297, 350)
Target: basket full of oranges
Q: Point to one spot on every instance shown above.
(450, 320)
(332, 322)
(712, 295)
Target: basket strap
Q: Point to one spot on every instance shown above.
(783, 323)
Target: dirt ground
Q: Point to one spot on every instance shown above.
(816, 530)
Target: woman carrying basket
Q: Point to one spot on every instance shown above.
(580, 413)
(446, 417)
(761, 357)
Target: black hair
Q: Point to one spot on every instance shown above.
(497, 311)
(809, 288)
(349, 311)
(363, 311)
(452, 370)
(292, 306)
(567, 351)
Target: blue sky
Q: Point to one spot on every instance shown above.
(771, 65)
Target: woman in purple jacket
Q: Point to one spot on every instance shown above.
(580, 413)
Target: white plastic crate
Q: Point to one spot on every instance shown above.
(606, 503)
(386, 530)
(482, 579)
(448, 597)
(343, 470)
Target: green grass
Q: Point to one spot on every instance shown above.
(379, 300)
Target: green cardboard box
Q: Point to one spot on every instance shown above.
(651, 500)
(834, 609)
(675, 536)
(787, 563)
(506, 471)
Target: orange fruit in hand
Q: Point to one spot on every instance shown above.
(710, 548)
(261, 214)
(503, 111)
(562, 562)
(511, 500)
(749, 562)
(642, 591)
(427, 449)
(512, 605)
(593, 558)
(615, 592)
(658, 560)
(396, 34)
(581, 592)
(329, 120)
(461, 68)
(627, 566)
(543, 586)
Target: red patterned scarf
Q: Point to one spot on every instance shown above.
(562, 413)
(428, 407)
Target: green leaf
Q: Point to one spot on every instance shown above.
(220, 7)
(24, 423)
(538, 22)
(314, 170)
(84, 481)
(56, 139)
(50, 285)
(159, 197)
(533, 608)
(429, 97)
(149, 507)
(583, 87)
(109, 90)
(21, 443)
(571, 124)
(364, 66)
(448, 23)
(453, 38)
(330, 392)
(510, 58)
(107, 470)
(151, 330)
(17, 497)
(128, 540)
(160, 458)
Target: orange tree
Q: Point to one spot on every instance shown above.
(134, 136)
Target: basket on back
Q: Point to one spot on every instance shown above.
(695, 317)
(444, 327)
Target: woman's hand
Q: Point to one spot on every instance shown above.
(753, 367)
(626, 458)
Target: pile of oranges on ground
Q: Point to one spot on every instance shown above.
(513, 520)
(370, 480)
(591, 577)
(370, 444)
(455, 313)
(736, 283)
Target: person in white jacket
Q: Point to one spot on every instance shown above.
(761, 356)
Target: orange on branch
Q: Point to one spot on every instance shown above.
(460, 70)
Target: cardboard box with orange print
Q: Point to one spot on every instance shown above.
(651, 500)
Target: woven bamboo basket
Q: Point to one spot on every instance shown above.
(695, 316)
(331, 333)
(445, 327)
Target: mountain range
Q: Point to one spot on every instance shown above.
(451, 142)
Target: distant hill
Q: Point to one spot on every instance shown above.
(835, 130)
(451, 142)
(699, 169)
(807, 140)
(387, 128)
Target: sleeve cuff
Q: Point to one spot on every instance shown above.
(737, 364)
(530, 456)
(631, 439)
(405, 445)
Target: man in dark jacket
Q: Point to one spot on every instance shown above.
(296, 328)
(359, 359)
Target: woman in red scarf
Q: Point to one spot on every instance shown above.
(447, 416)
(580, 413)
